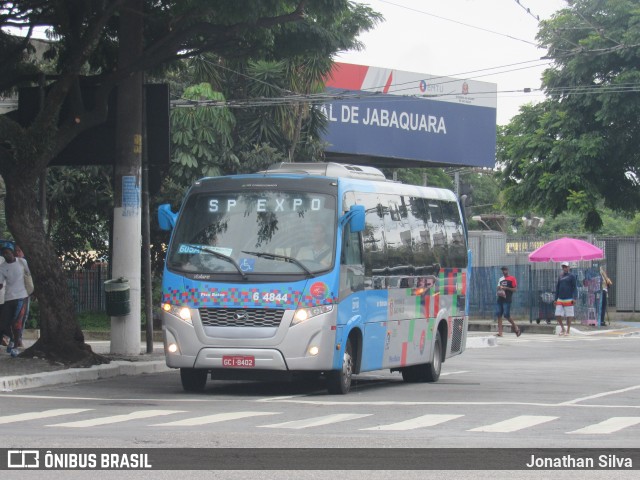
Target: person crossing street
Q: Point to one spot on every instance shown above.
(506, 286)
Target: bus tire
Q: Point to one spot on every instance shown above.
(339, 381)
(193, 379)
(410, 374)
(432, 370)
(426, 372)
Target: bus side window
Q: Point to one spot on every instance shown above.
(351, 268)
(457, 253)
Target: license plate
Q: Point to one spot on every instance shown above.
(238, 361)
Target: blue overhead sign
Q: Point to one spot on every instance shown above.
(436, 121)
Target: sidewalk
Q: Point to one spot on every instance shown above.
(613, 327)
(19, 373)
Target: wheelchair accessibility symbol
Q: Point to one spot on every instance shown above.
(247, 264)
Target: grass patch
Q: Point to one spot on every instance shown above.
(101, 322)
(94, 321)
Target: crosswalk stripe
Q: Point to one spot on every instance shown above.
(514, 424)
(116, 418)
(318, 421)
(218, 417)
(418, 422)
(610, 425)
(23, 417)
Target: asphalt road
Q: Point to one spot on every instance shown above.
(538, 391)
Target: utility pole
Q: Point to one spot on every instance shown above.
(125, 330)
(457, 183)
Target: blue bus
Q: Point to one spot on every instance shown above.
(319, 269)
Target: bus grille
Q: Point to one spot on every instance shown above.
(240, 317)
(456, 335)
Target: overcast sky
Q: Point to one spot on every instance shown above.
(487, 40)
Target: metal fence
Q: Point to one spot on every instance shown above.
(87, 288)
(491, 250)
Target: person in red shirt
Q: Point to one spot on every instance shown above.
(506, 286)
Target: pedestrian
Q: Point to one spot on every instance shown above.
(24, 312)
(566, 295)
(606, 283)
(506, 286)
(12, 273)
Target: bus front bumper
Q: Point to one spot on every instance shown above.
(245, 359)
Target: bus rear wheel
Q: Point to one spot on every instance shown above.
(193, 379)
(426, 372)
(339, 381)
(432, 370)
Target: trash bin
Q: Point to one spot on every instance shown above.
(117, 297)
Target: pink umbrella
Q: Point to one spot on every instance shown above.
(569, 249)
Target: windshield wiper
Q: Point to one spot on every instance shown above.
(221, 256)
(273, 256)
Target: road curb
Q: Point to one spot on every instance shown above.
(482, 342)
(75, 375)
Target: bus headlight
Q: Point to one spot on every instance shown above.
(304, 314)
(183, 313)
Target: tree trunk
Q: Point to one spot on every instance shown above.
(61, 338)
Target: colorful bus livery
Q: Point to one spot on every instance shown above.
(319, 269)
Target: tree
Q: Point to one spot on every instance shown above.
(578, 150)
(87, 34)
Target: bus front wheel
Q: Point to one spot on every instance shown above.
(193, 379)
(339, 381)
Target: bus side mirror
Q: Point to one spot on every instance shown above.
(166, 218)
(356, 213)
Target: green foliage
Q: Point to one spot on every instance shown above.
(569, 223)
(201, 138)
(79, 205)
(485, 191)
(633, 227)
(435, 177)
(577, 151)
(94, 322)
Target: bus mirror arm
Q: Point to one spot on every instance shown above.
(356, 216)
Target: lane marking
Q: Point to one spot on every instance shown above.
(23, 417)
(418, 422)
(280, 398)
(610, 425)
(116, 418)
(318, 421)
(208, 419)
(600, 395)
(514, 424)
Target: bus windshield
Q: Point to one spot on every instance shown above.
(255, 232)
